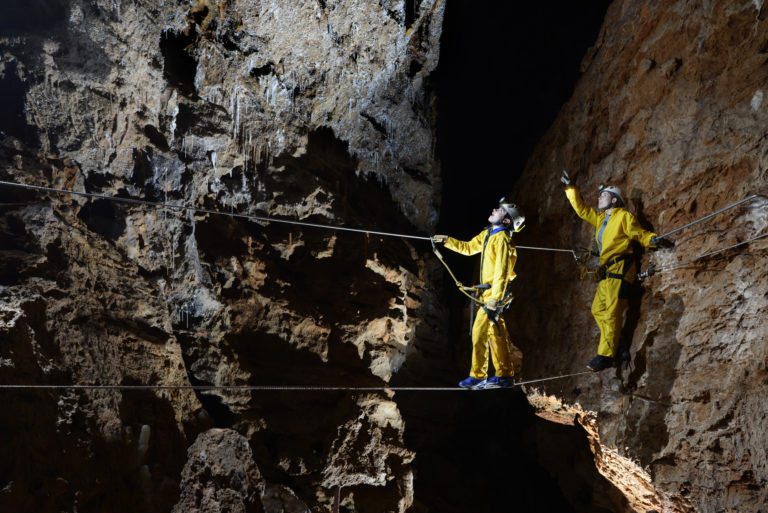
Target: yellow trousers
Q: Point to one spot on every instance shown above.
(608, 308)
(485, 333)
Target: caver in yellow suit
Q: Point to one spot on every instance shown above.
(617, 262)
(496, 269)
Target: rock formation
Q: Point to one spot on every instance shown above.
(220, 475)
(670, 108)
(321, 111)
(312, 111)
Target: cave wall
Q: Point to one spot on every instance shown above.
(322, 111)
(670, 107)
(316, 110)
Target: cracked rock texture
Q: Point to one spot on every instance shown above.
(319, 111)
(670, 107)
(220, 475)
(322, 111)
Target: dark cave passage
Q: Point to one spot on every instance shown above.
(488, 451)
(505, 71)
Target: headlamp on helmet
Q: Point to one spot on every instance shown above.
(513, 213)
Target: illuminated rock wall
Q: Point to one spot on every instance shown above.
(670, 108)
(315, 111)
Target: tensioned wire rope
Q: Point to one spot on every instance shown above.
(672, 266)
(680, 265)
(271, 388)
(247, 217)
(265, 219)
(462, 288)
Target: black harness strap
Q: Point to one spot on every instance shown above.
(604, 273)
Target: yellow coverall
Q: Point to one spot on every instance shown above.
(611, 296)
(496, 270)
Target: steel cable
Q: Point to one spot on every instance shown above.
(680, 265)
(263, 219)
(750, 198)
(263, 388)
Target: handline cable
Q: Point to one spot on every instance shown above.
(263, 388)
(548, 249)
(750, 198)
(209, 211)
(232, 214)
(679, 265)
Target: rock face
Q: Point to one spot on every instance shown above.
(311, 111)
(220, 475)
(670, 108)
(321, 111)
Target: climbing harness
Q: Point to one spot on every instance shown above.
(476, 294)
(603, 272)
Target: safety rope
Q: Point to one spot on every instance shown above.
(750, 198)
(264, 219)
(679, 265)
(209, 211)
(462, 288)
(263, 388)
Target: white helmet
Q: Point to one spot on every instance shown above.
(613, 191)
(514, 214)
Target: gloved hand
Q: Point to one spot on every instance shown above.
(658, 242)
(439, 239)
(492, 304)
(565, 179)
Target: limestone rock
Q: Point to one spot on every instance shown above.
(220, 475)
(682, 138)
(306, 111)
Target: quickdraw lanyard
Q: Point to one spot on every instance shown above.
(469, 291)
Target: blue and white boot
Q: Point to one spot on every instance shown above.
(497, 382)
(471, 382)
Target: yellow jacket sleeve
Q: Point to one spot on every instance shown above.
(636, 232)
(472, 247)
(585, 212)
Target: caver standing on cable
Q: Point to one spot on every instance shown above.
(615, 229)
(498, 256)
